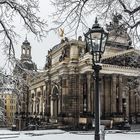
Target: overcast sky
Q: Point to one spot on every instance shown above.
(39, 49)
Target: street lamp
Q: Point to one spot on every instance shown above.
(95, 43)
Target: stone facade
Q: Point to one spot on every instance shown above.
(64, 91)
(66, 88)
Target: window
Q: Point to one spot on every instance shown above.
(28, 51)
(23, 51)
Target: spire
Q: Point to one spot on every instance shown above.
(26, 38)
(26, 42)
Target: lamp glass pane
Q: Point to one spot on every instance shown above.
(104, 38)
(96, 37)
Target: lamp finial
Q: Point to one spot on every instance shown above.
(96, 20)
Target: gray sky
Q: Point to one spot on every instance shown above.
(39, 49)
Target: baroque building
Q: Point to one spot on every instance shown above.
(64, 91)
(24, 69)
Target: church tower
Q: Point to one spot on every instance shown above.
(25, 62)
(26, 51)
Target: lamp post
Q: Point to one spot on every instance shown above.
(95, 43)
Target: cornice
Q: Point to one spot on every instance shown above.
(106, 68)
(120, 53)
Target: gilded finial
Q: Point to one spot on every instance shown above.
(61, 32)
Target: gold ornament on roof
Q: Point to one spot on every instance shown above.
(61, 32)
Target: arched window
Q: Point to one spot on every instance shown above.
(23, 50)
(28, 51)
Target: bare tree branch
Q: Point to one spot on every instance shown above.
(27, 11)
(74, 12)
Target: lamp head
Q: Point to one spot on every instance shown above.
(96, 39)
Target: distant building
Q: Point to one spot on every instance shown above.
(24, 69)
(2, 101)
(8, 104)
(25, 63)
(2, 112)
(64, 92)
(10, 108)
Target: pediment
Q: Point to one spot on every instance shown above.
(128, 58)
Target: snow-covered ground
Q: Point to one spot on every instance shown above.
(63, 135)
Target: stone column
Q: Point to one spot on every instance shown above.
(60, 94)
(107, 94)
(41, 99)
(103, 101)
(89, 92)
(92, 89)
(120, 93)
(127, 103)
(64, 91)
(113, 93)
(132, 97)
(34, 103)
(44, 99)
(81, 93)
(48, 99)
(102, 95)
(51, 108)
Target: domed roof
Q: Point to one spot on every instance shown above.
(30, 65)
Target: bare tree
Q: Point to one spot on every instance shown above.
(26, 11)
(73, 13)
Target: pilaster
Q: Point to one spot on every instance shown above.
(102, 96)
(107, 94)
